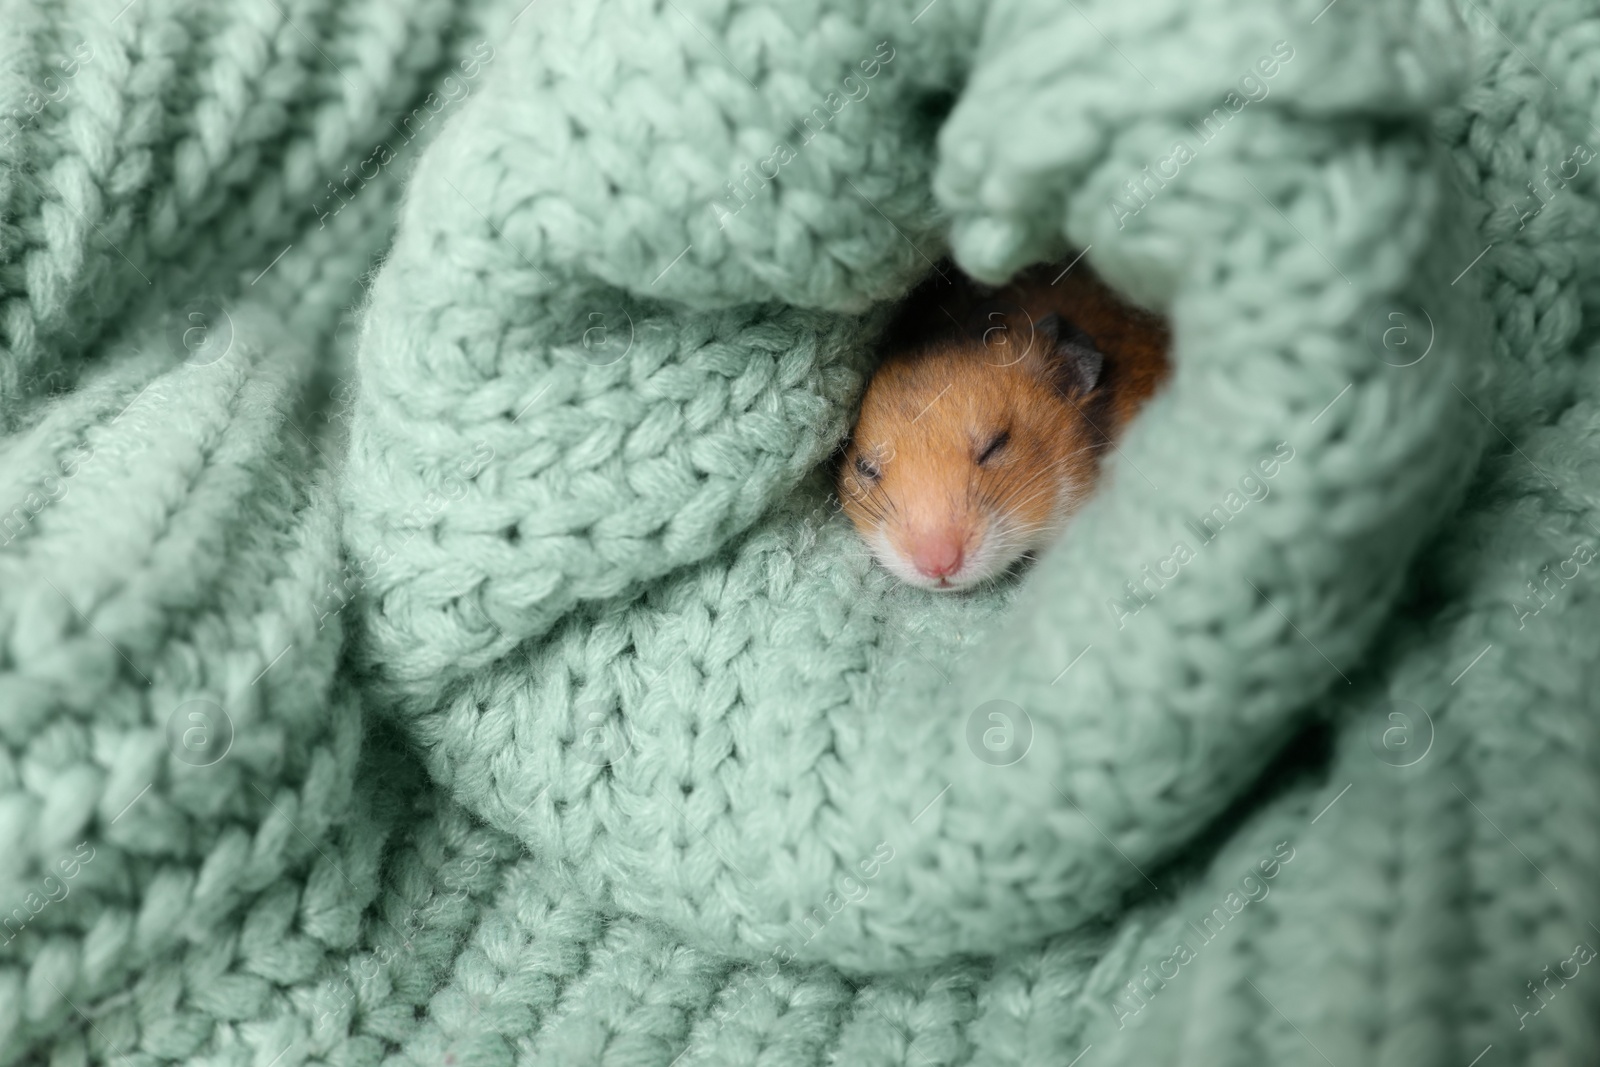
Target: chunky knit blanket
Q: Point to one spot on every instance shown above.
(427, 635)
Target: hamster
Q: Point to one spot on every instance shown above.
(983, 428)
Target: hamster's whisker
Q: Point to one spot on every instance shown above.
(1035, 488)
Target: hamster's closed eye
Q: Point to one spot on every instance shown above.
(996, 443)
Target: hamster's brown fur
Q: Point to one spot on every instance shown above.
(983, 428)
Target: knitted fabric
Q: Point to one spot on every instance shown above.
(485, 676)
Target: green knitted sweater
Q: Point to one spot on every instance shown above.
(426, 633)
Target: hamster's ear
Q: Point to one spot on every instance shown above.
(1068, 356)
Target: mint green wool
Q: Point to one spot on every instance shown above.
(426, 635)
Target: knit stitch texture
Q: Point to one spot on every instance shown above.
(426, 635)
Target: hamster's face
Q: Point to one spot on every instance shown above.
(961, 463)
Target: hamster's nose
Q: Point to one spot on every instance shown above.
(937, 554)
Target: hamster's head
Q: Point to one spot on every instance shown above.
(967, 456)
